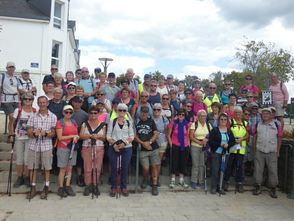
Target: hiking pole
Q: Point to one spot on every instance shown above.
(237, 168)
(96, 171)
(222, 170)
(34, 164)
(118, 182)
(44, 170)
(92, 184)
(69, 162)
(10, 168)
(205, 175)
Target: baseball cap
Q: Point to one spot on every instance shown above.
(10, 63)
(144, 109)
(72, 83)
(170, 76)
(111, 74)
(273, 108)
(99, 102)
(254, 105)
(77, 98)
(147, 76)
(24, 70)
(244, 89)
(267, 109)
(97, 70)
(116, 100)
(67, 107)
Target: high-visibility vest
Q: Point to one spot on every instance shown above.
(113, 115)
(208, 102)
(239, 131)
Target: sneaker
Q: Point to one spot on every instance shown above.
(222, 192)
(213, 191)
(172, 184)
(226, 185)
(96, 191)
(183, 184)
(61, 192)
(124, 192)
(154, 190)
(239, 188)
(273, 193)
(69, 191)
(80, 181)
(144, 184)
(194, 185)
(26, 182)
(202, 185)
(112, 193)
(87, 190)
(18, 182)
(257, 190)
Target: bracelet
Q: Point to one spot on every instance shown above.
(127, 142)
(34, 134)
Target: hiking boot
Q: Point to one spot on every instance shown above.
(96, 191)
(172, 184)
(257, 190)
(194, 185)
(32, 193)
(80, 181)
(44, 193)
(18, 182)
(154, 190)
(26, 181)
(112, 193)
(124, 192)
(87, 190)
(273, 193)
(226, 185)
(222, 192)
(213, 191)
(151, 182)
(239, 188)
(202, 185)
(69, 191)
(144, 184)
(183, 184)
(61, 192)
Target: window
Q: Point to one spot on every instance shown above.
(56, 54)
(57, 15)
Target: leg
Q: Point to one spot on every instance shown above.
(126, 157)
(195, 155)
(61, 176)
(113, 162)
(227, 174)
(87, 158)
(259, 161)
(215, 170)
(281, 119)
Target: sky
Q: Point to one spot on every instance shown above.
(188, 37)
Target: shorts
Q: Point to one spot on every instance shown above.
(9, 107)
(249, 155)
(162, 147)
(22, 151)
(34, 163)
(149, 158)
(63, 157)
(279, 108)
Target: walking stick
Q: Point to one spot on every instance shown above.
(205, 176)
(93, 142)
(34, 164)
(118, 182)
(222, 170)
(237, 168)
(69, 161)
(10, 168)
(44, 170)
(96, 170)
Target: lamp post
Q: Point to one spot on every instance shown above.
(104, 63)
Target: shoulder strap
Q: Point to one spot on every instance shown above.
(173, 128)
(276, 125)
(196, 125)
(252, 86)
(243, 122)
(208, 126)
(232, 123)
(112, 91)
(3, 77)
(114, 122)
(62, 123)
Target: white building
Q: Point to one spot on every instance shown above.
(36, 34)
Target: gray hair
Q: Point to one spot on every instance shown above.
(238, 108)
(57, 74)
(249, 93)
(130, 69)
(201, 111)
(145, 92)
(161, 77)
(122, 106)
(30, 95)
(153, 82)
(158, 105)
(57, 88)
(101, 91)
(198, 93)
(274, 74)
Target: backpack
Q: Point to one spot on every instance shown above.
(3, 77)
(207, 125)
(19, 113)
(30, 82)
(70, 144)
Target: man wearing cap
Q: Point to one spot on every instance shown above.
(267, 142)
(273, 109)
(111, 89)
(25, 84)
(211, 96)
(88, 85)
(146, 135)
(9, 94)
(170, 81)
(50, 77)
(41, 130)
(145, 86)
(255, 116)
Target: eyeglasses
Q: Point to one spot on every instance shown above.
(237, 112)
(248, 78)
(11, 81)
(212, 88)
(153, 85)
(187, 93)
(68, 112)
(100, 94)
(115, 103)
(202, 116)
(228, 84)
(144, 95)
(223, 119)
(156, 109)
(122, 110)
(85, 71)
(181, 115)
(249, 96)
(247, 114)
(165, 98)
(79, 72)
(189, 106)
(93, 113)
(54, 69)
(254, 108)
(28, 99)
(266, 113)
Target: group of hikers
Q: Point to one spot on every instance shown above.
(80, 120)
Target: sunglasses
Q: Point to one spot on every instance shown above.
(187, 93)
(248, 78)
(114, 103)
(85, 71)
(153, 85)
(223, 119)
(79, 72)
(165, 98)
(122, 110)
(189, 106)
(100, 94)
(228, 84)
(11, 81)
(68, 112)
(249, 96)
(71, 88)
(247, 114)
(93, 113)
(28, 99)
(54, 69)
(181, 115)
(156, 109)
(254, 108)
(212, 88)
(144, 95)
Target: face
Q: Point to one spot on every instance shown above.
(50, 87)
(212, 88)
(93, 114)
(227, 84)
(181, 86)
(188, 94)
(54, 69)
(121, 112)
(223, 121)
(161, 81)
(79, 93)
(85, 72)
(246, 115)
(125, 84)
(144, 115)
(197, 84)
(254, 110)
(274, 79)
(28, 101)
(25, 75)
(78, 74)
(114, 105)
(111, 80)
(10, 69)
(181, 116)
(147, 80)
(43, 103)
(249, 98)
(165, 99)
(233, 99)
(144, 97)
(102, 78)
(199, 98)
(215, 109)
(130, 74)
(265, 115)
(201, 117)
(125, 94)
(188, 107)
(172, 95)
(69, 77)
(156, 111)
(77, 104)
(153, 87)
(238, 114)
(67, 113)
(58, 79)
(71, 89)
(243, 94)
(100, 106)
(100, 95)
(57, 94)
(248, 79)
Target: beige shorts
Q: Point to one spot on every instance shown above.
(40, 158)
(279, 108)
(149, 158)
(22, 150)
(162, 147)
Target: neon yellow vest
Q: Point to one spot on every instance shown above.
(239, 132)
(113, 115)
(208, 102)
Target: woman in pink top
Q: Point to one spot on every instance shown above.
(250, 87)
(199, 105)
(229, 108)
(280, 97)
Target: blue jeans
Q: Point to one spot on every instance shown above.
(239, 171)
(125, 161)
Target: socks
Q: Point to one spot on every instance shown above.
(46, 183)
(181, 180)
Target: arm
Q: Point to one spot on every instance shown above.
(133, 112)
(168, 136)
(44, 88)
(60, 137)
(286, 95)
(82, 135)
(18, 97)
(254, 142)
(279, 146)
(30, 132)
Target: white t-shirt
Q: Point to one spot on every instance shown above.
(162, 91)
(20, 129)
(25, 85)
(9, 88)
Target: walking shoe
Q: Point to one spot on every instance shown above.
(273, 193)
(44, 193)
(151, 182)
(26, 181)
(124, 192)
(69, 191)
(222, 192)
(172, 184)
(144, 184)
(61, 192)
(154, 190)
(257, 190)
(87, 190)
(112, 193)
(226, 185)
(213, 191)
(194, 185)
(202, 185)
(18, 182)
(239, 188)
(183, 184)
(80, 181)
(32, 193)
(96, 191)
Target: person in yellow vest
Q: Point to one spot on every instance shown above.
(239, 128)
(113, 113)
(211, 96)
(145, 86)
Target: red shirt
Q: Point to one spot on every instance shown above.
(66, 131)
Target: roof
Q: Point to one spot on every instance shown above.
(31, 9)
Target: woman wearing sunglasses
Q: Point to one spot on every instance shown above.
(71, 92)
(224, 94)
(167, 108)
(250, 98)
(67, 134)
(92, 140)
(101, 97)
(190, 117)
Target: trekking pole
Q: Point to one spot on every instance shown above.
(237, 168)
(10, 168)
(69, 161)
(34, 164)
(205, 175)
(92, 184)
(118, 182)
(96, 170)
(222, 170)
(44, 170)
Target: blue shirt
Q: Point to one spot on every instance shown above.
(88, 86)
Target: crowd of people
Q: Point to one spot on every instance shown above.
(79, 119)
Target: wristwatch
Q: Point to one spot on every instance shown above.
(150, 142)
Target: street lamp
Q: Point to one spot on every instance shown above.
(105, 63)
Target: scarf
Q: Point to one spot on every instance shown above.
(181, 136)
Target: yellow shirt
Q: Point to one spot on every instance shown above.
(200, 133)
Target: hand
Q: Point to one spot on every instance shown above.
(37, 132)
(115, 147)
(121, 146)
(238, 141)
(11, 138)
(284, 106)
(43, 132)
(95, 136)
(278, 153)
(76, 138)
(86, 95)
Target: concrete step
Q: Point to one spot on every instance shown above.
(5, 155)
(5, 165)
(5, 146)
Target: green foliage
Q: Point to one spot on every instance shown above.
(155, 75)
(236, 78)
(122, 76)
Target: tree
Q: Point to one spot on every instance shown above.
(218, 79)
(261, 59)
(122, 76)
(155, 75)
